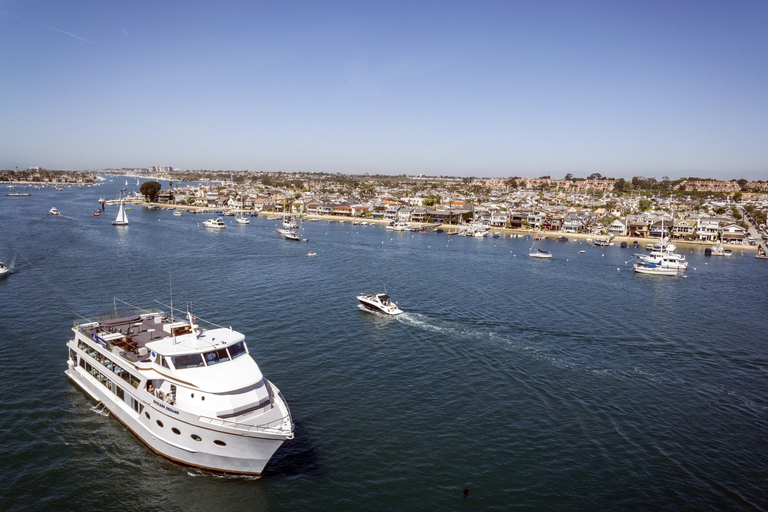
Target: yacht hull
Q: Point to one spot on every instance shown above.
(242, 453)
(377, 307)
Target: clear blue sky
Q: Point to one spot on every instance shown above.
(471, 88)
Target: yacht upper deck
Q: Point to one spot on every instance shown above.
(130, 333)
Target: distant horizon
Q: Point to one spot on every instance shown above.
(424, 175)
(465, 89)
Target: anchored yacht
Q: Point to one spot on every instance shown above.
(193, 395)
(215, 223)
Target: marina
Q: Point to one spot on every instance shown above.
(594, 386)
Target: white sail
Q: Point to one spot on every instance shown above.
(122, 218)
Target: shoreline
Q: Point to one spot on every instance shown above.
(550, 235)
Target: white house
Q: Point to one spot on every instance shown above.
(617, 228)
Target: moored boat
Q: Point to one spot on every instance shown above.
(215, 223)
(536, 252)
(651, 268)
(193, 395)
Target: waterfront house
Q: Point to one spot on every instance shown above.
(660, 228)
(311, 206)
(499, 219)
(707, 230)
(733, 233)
(325, 209)
(618, 228)
(342, 209)
(682, 228)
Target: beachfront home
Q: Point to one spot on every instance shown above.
(311, 206)
(342, 209)
(499, 219)
(682, 228)
(660, 228)
(707, 230)
(618, 228)
(554, 222)
(638, 225)
(536, 219)
(575, 221)
(733, 233)
(325, 209)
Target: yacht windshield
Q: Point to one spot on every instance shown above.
(187, 361)
(237, 349)
(216, 356)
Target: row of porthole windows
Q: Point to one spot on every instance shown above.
(194, 437)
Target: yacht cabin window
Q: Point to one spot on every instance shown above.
(237, 349)
(187, 361)
(216, 356)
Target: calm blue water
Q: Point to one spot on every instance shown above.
(569, 384)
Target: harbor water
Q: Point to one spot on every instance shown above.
(509, 383)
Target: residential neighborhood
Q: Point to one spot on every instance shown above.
(684, 209)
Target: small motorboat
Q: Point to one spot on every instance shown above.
(3, 269)
(54, 211)
(292, 236)
(177, 213)
(311, 253)
(97, 214)
(562, 239)
(379, 303)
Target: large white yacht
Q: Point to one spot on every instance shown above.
(193, 395)
(665, 256)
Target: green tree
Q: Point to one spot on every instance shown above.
(150, 189)
(737, 196)
(644, 204)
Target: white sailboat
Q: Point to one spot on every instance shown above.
(122, 218)
(535, 252)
